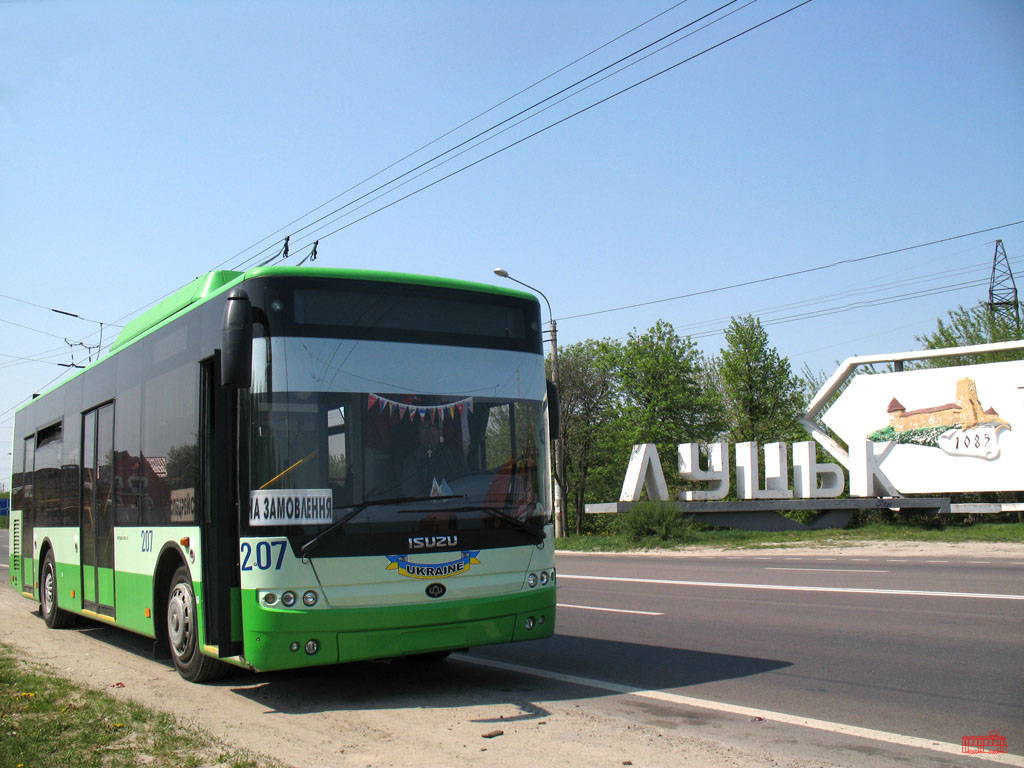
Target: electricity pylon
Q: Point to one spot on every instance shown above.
(1002, 290)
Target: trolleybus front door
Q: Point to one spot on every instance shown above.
(222, 609)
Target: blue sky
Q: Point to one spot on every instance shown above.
(143, 144)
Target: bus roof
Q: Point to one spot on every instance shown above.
(218, 281)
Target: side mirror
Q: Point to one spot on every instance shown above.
(236, 342)
(554, 413)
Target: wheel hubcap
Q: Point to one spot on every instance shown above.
(48, 591)
(179, 620)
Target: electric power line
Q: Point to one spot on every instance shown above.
(856, 305)
(794, 273)
(699, 329)
(826, 298)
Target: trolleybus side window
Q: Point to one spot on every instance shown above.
(47, 481)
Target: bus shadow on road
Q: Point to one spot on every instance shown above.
(424, 682)
(458, 682)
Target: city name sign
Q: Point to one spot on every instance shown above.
(811, 479)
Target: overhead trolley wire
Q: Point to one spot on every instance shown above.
(492, 128)
(509, 146)
(29, 328)
(449, 132)
(411, 154)
(506, 128)
(565, 119)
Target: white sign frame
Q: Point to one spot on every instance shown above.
(939, 471)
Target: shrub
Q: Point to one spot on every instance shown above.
(650, 520)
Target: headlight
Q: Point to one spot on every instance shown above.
(531, 580)
(288, 599)
(309, 598)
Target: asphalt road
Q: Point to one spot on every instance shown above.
(928, 648)
(908, 645)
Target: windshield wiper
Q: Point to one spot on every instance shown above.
(515, 522)
(355, 510)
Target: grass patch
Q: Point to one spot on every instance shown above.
(47, 720)
(704, 536)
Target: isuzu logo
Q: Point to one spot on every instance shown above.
(432, 542)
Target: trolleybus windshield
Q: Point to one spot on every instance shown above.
(406, 415)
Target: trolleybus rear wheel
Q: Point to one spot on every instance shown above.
(54, 616)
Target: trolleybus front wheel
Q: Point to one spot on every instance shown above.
(54, 616)
(183, 632)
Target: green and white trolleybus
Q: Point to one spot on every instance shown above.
(291, 467)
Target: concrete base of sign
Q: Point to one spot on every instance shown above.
(764, 515)
(985, 509)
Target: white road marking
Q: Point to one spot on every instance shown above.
(790, 588)
(827, 570)
(979, 562)
(936, 561)
(608, 610)
(750, 712)
(2, 565)
(897, 561)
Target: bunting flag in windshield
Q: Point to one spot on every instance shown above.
(424, 412)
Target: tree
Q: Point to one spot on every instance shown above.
(764, 399)
(967, 327)
(662, 380)
(588, 401)
(660, 377)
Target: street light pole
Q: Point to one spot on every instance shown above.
(560, 516)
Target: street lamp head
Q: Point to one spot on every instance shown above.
(501, 272)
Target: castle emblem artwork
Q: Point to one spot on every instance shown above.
(960, 428)
(937, 430)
